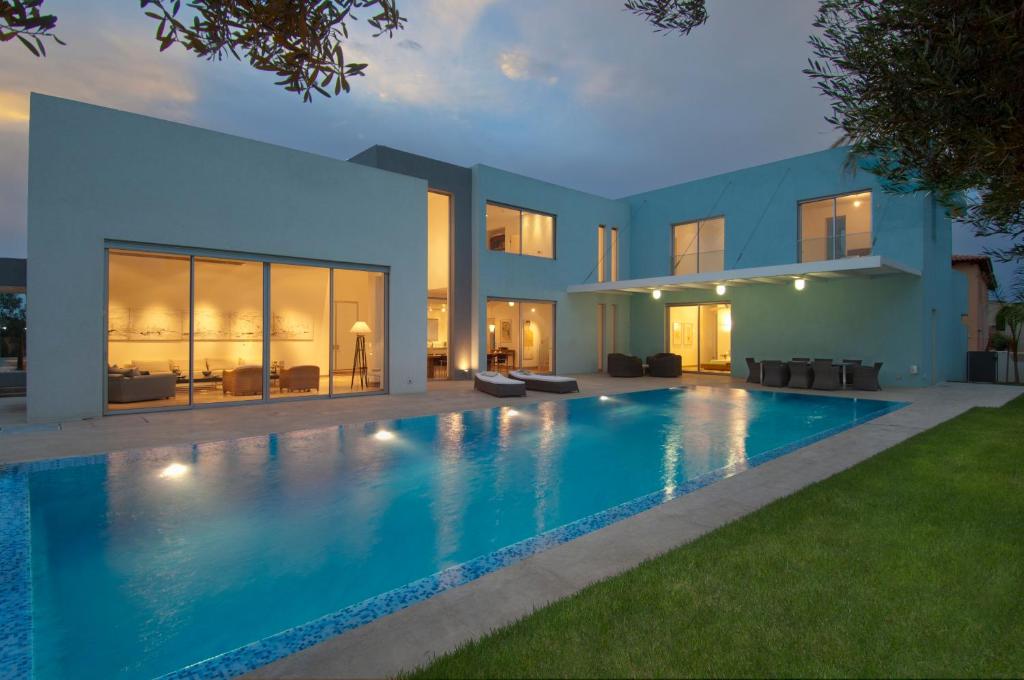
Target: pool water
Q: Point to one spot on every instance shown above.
(145, 562)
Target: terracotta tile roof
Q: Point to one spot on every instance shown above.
(984, 263)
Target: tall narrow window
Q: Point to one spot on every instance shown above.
(359, 325)
(228, 330)
(147, 330)
(835, 227)
(521, 232)
(438, 270)
(600, 254)
(615, 254)
(300, 330)
(698, 246)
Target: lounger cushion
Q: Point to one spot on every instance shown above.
(559, 384)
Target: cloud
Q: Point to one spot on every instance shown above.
(429, 67)
(519, 65)
(114, 66)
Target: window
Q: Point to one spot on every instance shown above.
(615, 254)
(192, 329)
(600, 254)
(520, 232)
(520, 334)
(438, 276)
(698, 246)
(835, 227)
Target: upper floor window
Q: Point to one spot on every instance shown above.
(698, 246)
(614, 264)
(835, 227)
(600, 254)
(522, 232)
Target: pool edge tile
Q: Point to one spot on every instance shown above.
(15, 577)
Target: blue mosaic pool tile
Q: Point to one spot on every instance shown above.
(15, 578)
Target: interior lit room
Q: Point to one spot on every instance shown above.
(151, 319)
(520, 334)
(702, 336)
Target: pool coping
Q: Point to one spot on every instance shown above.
(15, 611)
(414, 636)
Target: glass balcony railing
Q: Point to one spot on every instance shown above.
(835, 248)
(698, 263)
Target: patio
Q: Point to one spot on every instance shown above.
(23, 442)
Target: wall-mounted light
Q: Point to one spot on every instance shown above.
(383, 436)
(656, 294)
(856, 204)
(720, 289)
(800, 284)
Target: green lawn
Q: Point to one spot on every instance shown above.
(910, 564)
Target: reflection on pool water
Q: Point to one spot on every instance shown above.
(145, 562)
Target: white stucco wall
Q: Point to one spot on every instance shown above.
(97, 175)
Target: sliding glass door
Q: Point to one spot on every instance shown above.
(702, 335)
(520, 334)
(186, 329)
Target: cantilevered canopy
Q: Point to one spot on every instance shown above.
(865, 266)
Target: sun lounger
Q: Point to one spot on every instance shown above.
(497, 385)
(546, 383)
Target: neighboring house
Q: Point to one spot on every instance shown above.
(176, 267)
(981, 280)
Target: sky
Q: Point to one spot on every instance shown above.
(576, 92)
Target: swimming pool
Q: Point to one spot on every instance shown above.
(217, 558)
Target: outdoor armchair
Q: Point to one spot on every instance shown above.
(800, 374)
(665, 365)
(776, 374)
(827, 376)
(866, 377)
(624, 366)
(753, 371)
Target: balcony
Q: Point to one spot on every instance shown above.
(850, 244)
(699, 263)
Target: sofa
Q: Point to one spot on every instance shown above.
(624, 366)
(131, 386)
(243, 381)
(665, 365)
(300, 378)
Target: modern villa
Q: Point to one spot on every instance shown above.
(175, 267)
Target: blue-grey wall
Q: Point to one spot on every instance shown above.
(498, 274)
(456, 181)
(96, 174)
(888, 318)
